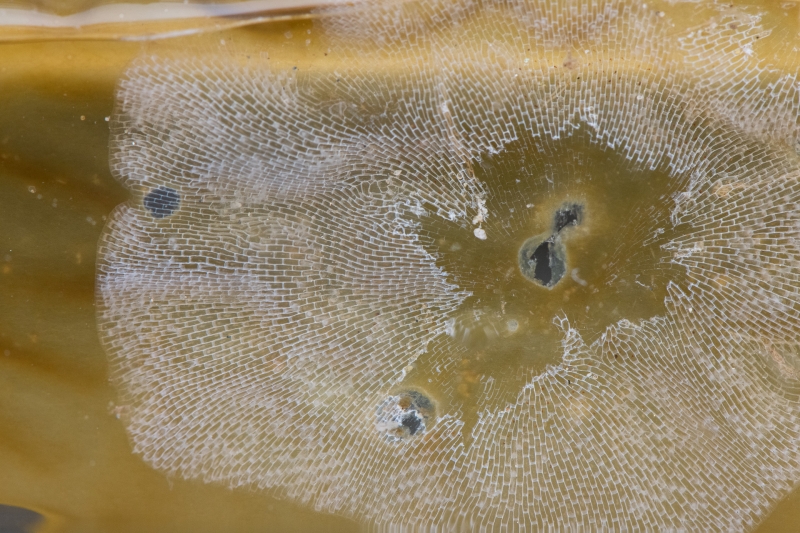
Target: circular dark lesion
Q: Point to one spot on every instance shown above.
(542, 259)
(405, 414)
(162, 201)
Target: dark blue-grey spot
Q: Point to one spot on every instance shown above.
(569, 215)
(407, 413)
(162, 201)
(543, 258)
(18, 519)
(412, 422)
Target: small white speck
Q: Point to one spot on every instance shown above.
(480, 233)
(83, 117)
(31, 189)
(577, 279)
(107, 119)
(288, 35)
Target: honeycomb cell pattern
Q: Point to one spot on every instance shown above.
(265, 320)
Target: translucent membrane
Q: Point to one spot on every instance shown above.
(347, 249)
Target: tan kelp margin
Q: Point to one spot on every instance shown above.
(542, 279)
(146, 21)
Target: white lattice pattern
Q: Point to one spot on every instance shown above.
(261, 312)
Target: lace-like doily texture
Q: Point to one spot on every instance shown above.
(277, 275)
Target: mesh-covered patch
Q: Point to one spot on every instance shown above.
(334, 303)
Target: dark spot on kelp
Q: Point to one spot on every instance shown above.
(412, 421)
(407, 413)
(162, 202)
(18, 519)
(541, 257)
(543, 260)
(569, 215)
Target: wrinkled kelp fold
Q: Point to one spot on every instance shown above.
(290, 314)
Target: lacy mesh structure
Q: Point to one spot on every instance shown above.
(321, 286)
